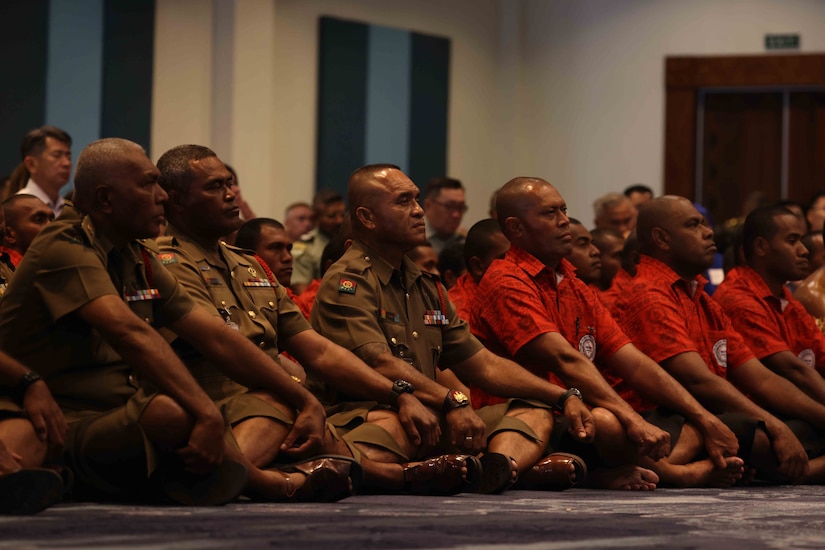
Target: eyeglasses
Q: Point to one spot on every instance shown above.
(453, 206)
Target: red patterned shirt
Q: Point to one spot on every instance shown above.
(609, 296)
(523, 299)
(306, 299)
(463, 294)
(665, 315)
(770, 324)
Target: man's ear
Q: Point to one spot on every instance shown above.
(661, 238)
(513, 227)
(761, 246)
(474, 267)
(29, 161)
(10, 237)
(365, 217)
(103, 199)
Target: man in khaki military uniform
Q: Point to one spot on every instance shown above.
(238, 288)
(377, 302)
(81, 313)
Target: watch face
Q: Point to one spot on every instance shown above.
(402, 386)
(459, 397)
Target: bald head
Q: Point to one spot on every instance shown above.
(673, 231)
(657, 213)
(100, 163)
(516, 197)
(365, 187)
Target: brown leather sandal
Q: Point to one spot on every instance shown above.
(441, 475)
(29, 491)
(552, 473)
(329, 478)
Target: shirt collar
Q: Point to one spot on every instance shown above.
(408, 274)
(32, 188)
(663, 271)
(751, 278)
(533, 266)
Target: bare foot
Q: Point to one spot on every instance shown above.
(624, 478)
(703, 473)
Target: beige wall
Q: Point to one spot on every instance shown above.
(595, 79)
(569, 91)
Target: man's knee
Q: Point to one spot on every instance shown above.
(163, 415)
(606, 422)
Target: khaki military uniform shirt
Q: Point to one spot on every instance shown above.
(236, 288)
(69, 265)
(364, 300)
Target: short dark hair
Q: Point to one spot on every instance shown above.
(435, 185)
(35, 141)
(479, 238)
(637, 188)
(249, 234)
(601, 233)
(574, 221)
(325, 197)
(451, 258)
(175, 168)
(761, 223)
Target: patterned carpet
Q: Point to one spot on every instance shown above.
(752, 518)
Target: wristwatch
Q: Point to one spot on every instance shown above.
(455, 399)
(399, 387)
(559, 406)
(27, 380)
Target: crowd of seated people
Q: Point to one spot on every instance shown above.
(160, 343)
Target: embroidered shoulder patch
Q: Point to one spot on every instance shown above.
(347, 286)
(167, 258)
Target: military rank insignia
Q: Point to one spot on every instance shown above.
(142, 295)
(434, 317)
(167, 258)
(347, 286)
(257, 282)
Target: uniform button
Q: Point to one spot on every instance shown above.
(261, 344)
(271, 304)
(408, 295)
(367, 258)
(223, 303)
(393, 340)
(251, 314)
(132, 379)
(415, 335)
(401, 353)
(233, 274)
(147, 319)
(438, 348)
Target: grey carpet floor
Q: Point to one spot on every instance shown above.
(752, 518)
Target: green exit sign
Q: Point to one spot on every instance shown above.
(781, 41)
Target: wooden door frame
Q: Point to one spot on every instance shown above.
(685, 77)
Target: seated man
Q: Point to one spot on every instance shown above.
(558, 329)
(810, 292)
(378, 303)
(669, 316)
(610, 244)
(330, 210)
(424, 256)
(246, 296)
(774, 324)
(615, 211)
(268, 239)
(82, 311)
(26, 216)
(485, 243)
(28, 441)
(584, 256)
(451, 264)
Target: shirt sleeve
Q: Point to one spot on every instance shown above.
(655, 323)
(511, 307)
(753, 320)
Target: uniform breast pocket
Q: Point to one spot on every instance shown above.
(396, 335)
(433, 339)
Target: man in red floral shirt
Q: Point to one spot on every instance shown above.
(782, 335)
(669, 316)
(536, 311)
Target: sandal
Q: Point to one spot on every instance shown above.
(29, 491)
(441, 475)
(552, 473)
(329, 478)
(498, 473)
